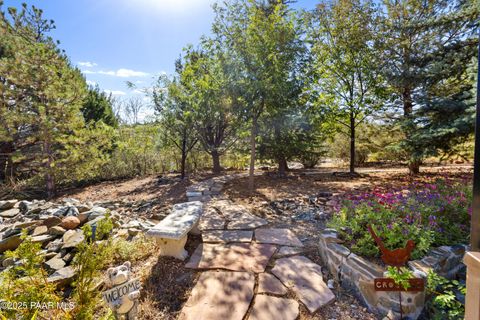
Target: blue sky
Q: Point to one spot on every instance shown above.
(114, 41)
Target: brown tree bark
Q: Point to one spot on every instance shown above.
(413, 161)
(352, 142)
(49, 176)
(7, 170)
(184, 158)
(253, 135)
(216, 161)
(282, 166)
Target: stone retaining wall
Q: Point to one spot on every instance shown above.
(357, 275)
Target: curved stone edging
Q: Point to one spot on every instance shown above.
(357, 274)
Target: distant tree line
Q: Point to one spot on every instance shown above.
(293, 78)
(272, 82)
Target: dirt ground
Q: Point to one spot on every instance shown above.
(167, 283)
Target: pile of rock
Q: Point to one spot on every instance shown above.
(308, 208)
(57, 227)
(204, 190)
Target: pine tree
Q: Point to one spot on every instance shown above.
(40, 99)
(98, 107)
(429, 46)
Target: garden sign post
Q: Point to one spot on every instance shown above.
(472, 258)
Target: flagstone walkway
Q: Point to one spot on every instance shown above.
(238, 249)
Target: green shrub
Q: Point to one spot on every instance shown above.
(24, 285)
(122, 250)
(92, 257)
(444, 302)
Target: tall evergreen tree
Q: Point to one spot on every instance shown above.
(40, 99)
(98, 106)
(429, 46)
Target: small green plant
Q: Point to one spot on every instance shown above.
(401, 276)
(24, 288)
(122, 250)
(92, 257)
(444, 302)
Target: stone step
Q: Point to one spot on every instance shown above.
(226, 236)
(251, 257)
(273, 308)
(304, 277)
(219, 295)
(282, 237)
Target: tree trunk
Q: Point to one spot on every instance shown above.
(184, 158)
(7, 170)
(253, 135)
(413, 162)
(352, 143)
(414, 166)
(282, 166)
(49, 177)
(216, 161)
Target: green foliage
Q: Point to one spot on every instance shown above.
(343, 36)
(43, 129)
(401, 276)
(98, 107)
(428, 71)
(24, 285)
(122, 250)
(210, 103)
(429, 214)
(267, 63)
(172, 105)
(91, 258)
(353, 222)
(444, 302)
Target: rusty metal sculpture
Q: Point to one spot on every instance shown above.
(395, 258)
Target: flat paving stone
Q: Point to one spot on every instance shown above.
(251, 257)
(282, 237)
(273, 308)
(305, 278)
(211, 220)
(268, 283)
(288, 251)
(219, 295)
(246, 222)
(225, 236)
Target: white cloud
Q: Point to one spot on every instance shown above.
(125, 73)
(122, 73)
(115, 92)
(91, 83)
(87, 64)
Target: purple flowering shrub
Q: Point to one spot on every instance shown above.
(431, 214)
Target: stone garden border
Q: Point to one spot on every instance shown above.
(357, 274)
